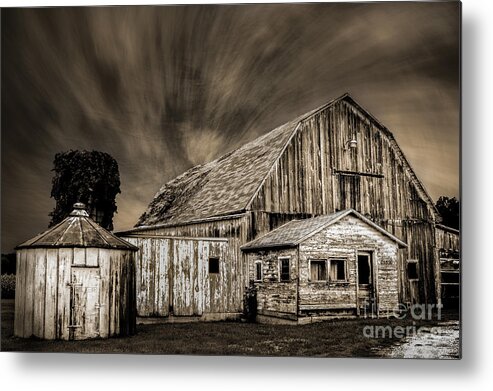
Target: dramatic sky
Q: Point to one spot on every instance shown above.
(164, 88)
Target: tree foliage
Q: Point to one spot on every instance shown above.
(8, 263)
(89, 177)
(449, 209)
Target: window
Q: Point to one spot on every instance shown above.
(412, 269)
(213, 265)
(338, 270)
(284, 269)
(258, 270)
(318, 270)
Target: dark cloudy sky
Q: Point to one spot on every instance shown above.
(164, 88)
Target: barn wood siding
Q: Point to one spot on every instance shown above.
(447, 240)
(173, 276)
(275, 298)
(448, 246)
(319, 174)
(44, 298)
(343, 240)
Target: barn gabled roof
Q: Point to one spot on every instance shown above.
(77, 230)
(228, 185)
(295, 232)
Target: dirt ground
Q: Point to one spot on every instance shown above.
(441, 342)
(335, 338)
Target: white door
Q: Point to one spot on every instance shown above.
(84, 303)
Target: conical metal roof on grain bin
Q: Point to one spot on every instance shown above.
(77, 230)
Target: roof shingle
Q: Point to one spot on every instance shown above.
(294, 232)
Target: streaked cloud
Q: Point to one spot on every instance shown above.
(164, 88)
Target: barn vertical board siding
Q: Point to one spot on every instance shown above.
(114, 292)
(163, 280)
(19, 293)
(373, 178)
(29, 296)
(200, 277)
(65, 257)
(104, 299)
(39, 292)
(206, 281)
(196, 282)
(155, 277)
(235, 230)
(145, 280)
(79, 256)
(123, 295)
(182, 280)
(51, 293)
(139, 276)
(92, 255)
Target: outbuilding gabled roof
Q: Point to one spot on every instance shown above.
(294, 232)
(227, 185)
(77, 230)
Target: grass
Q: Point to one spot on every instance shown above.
(335, 338)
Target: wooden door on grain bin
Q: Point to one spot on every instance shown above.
(84, 302)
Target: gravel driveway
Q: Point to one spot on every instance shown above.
(442, 342)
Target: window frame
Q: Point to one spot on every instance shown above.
(279, 261)
(255, 275)
(415, 263)
(371, 264)
(346, 276)
(310, 270)
(218, 266)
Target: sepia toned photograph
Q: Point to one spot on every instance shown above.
(232, 180)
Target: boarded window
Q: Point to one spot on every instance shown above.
(284, 269)
(213, 265)
(258, 270)
(318, 270)
(412, 270)
(338, 270)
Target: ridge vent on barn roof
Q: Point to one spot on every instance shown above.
(77, 230)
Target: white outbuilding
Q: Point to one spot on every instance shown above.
(75, 281)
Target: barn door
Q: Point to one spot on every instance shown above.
(187, 290)
(349, 192)
(84, 303)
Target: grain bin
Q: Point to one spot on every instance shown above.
(75, 281)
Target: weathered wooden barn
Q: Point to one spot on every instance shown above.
(338, 264)
(75, 281)
(333, 158)
(448, 244)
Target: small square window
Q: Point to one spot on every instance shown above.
(284, 274)
(338, 270)
(258, 270)
(412, 270)
(318, 270)
(213, 265)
